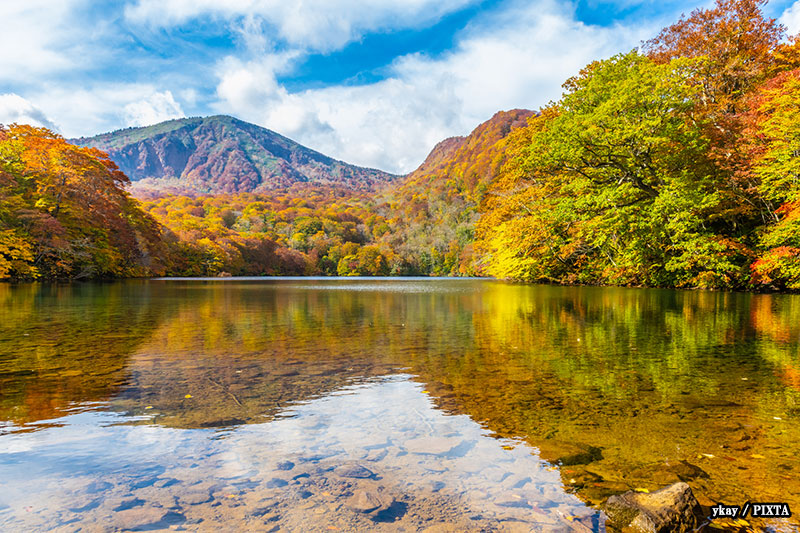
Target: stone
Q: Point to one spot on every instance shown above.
(687, 471)
(195, 497)
(129, 504)
(516, 481)
(173, 519)
(262, 512)
(513, 502)
(432, 445)
(673, 509)
(376, 455)
(581, 456)
(285, 465)
(94, 504)
(275, 483)
(98, 486)
(668, 473)
(354, 471)
(365, 501)
(157, 497)
(138, 517)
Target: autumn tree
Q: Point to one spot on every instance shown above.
(66, 213)
(776, 164)
(735, 42)
(612, 185)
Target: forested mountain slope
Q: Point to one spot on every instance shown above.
(422, 224)
(433, 210)
(221, 154)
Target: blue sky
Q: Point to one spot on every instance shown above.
(372, 82)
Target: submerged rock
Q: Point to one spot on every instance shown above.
(364, 501)
(285, 465)
(354, 471)
(687, 471)
(139, 517)
(367, 501)
(673, 509)
(581, 456)
(195, 497)
(432, 445)
(666, 474)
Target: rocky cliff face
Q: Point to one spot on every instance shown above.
(220, 154)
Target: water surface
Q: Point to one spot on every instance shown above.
(402, 405)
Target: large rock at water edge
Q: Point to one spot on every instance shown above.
(673, 509)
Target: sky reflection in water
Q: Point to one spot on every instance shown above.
(425, 464)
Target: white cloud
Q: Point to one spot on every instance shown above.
(791, 18)
(518, 58)
(322, 25)
(103, 107)
(516, 54)
(245, 85)
(189, 96)
(155, 108)
(40, 37)
(14, 108)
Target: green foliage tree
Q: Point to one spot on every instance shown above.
(613, 185)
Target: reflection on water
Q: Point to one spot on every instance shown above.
(398, 404)
(365, 456)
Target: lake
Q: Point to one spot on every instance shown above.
(387, 404)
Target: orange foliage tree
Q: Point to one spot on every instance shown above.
(66, 214)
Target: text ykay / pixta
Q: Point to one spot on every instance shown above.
(756, 510)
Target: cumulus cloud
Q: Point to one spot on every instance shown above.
(157, 107)
(14, 108)
(516, 53)
(517, 58)
(42, 37)
(791, 18)
(245, 85)
(321, 25)
(104, 106)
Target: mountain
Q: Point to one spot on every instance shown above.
(221, 154)
(441, 153)
(435, 208)
(464, 166)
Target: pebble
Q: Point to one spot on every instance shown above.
(516, 481)
(376, 455)
(98, 486)
(513, 502)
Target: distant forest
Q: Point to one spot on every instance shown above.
(676, 165)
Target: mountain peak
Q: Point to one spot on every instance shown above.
(470, 159)
(222, 154)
